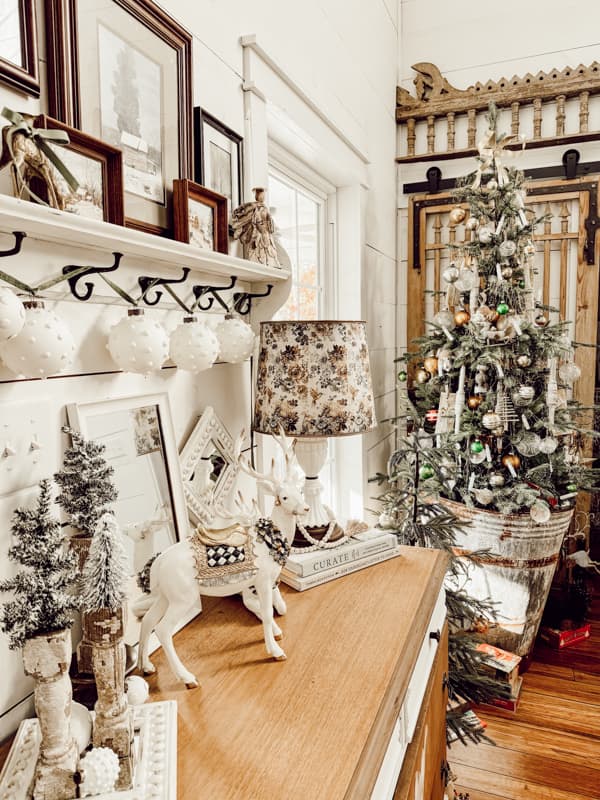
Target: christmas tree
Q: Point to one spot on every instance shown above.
(85, 483)
(105, 572)
(490, 422)
(494, 375)
(43, 601)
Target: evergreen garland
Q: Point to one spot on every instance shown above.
(105, 571)
(43, 601)
(85, 481)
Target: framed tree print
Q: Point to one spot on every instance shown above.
(218, 157)
(121, 71)
(18, 46)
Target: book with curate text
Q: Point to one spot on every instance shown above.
(359, 546)
(301, 583)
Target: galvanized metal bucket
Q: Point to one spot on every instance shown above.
(518, 576)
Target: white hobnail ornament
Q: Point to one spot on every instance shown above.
(99, 770)
(12, 314)
(236, 340)
(193, 345)
(138, 343)
(43, 347)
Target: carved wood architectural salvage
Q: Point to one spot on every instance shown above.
(432, 118)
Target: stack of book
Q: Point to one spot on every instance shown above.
(504, 667)
(304, 570)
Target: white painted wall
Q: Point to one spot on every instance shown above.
(491, 40)
(332, 105)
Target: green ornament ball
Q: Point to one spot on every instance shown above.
(402, 375)
(502, 308)
(571, 487)
(477, 446)
(426, 471)
(521, 284)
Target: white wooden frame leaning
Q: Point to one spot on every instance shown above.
(202, 506)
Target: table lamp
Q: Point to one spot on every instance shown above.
(314, 381)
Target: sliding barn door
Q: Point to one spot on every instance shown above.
(566, 262)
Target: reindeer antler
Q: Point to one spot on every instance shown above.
(287, 445)
(265, 479)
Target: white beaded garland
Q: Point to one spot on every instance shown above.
(193, 346)
(236, 340)
(137, 343)
(12, 314)
(43, 347)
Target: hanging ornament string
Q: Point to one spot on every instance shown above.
(491, 152)
(40, 137)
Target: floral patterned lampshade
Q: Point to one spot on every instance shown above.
(314, 379)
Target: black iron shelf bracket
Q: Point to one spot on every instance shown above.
(214, 292)
(242, 301)
(148, 285)
(74, 273)
(16, 248)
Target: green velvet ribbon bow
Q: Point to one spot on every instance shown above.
(40, 136)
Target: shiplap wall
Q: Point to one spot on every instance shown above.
(343, 56)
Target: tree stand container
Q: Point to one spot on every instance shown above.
(46, 659)
(517, 573)
(113, 722)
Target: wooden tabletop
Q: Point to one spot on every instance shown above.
(313, 727)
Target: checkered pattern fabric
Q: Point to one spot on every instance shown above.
(222, 555)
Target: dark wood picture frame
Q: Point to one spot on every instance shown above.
(64, 84)
(109, 157)
(202, 118)
(183, 192)
(24, 77)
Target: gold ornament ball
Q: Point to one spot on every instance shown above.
(422, 376)
(431, 364)
(461, 318)
(512, 459)
(474, 402)
(457, 215)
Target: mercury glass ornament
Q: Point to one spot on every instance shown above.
(548, 445)
(444, 319)
(512, 460)
(492, 185)
(523, 360)
(474, 401)
(485, 235)
(526, 394)
(450, 274)
(12, 314)
(193, 346)
(385, 520)
(236, 340)
(528, 444)
(529, 249)
(138, 343)
(462, 318)
(541, 321)
(506, 272)
(491, 420)
(431, 364)
(457, 215)
(569, 372)
(502, 308)
(472, 223)
(496, 480)
(426, 471)
(43, 347)
(422, 376)
(476, 446)
(467, 280)
(477, 458)
(484, 496)
(402, 376)
(507, 248)
(540, 512)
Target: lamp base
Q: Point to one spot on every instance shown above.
(317, 533)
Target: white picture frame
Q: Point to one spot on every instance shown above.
(205, 487)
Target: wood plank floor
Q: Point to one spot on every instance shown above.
(549, 749)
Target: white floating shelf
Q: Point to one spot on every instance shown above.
(50, 225)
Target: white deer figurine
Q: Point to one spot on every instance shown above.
(175, 583)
